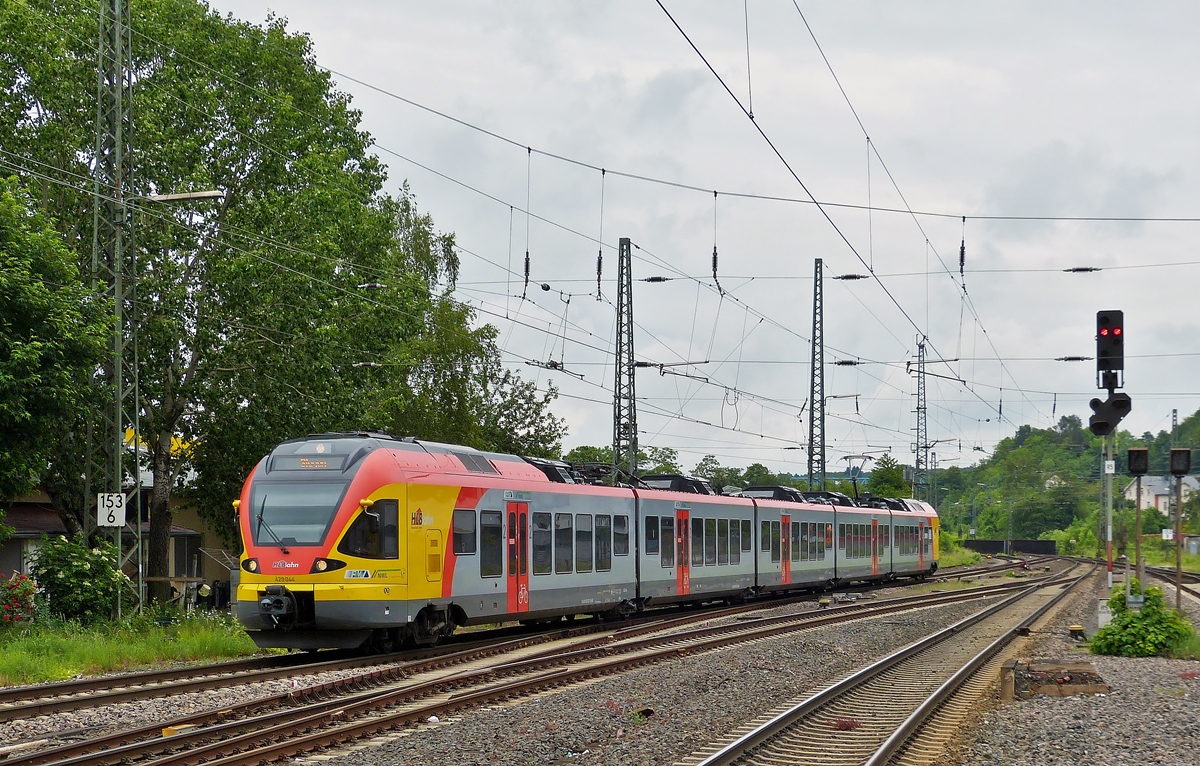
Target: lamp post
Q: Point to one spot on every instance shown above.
(191, 196)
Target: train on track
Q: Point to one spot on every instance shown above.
(368, 540)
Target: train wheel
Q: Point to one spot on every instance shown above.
(383, 642)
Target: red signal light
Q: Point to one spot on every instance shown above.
(1116, 331)
(1104, 331)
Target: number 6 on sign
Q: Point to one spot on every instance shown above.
(110, 509)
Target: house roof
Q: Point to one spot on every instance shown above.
(32, 520)
(1162, 485)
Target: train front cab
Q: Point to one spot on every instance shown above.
(915, 539)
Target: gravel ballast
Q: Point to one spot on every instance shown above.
(658, 713)
(1152, 714)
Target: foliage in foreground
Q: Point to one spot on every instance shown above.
(53, 650)
(16, 599)
(1152, 631)
(80, 582)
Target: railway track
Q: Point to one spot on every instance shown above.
(1168, 575)
(868, 718)
(317, 717)
(29, 701)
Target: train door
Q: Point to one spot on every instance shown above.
(785, 556)
(921, 544)
(518, 557)
(683, 559)
(874, 546)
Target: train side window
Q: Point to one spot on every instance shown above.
(621, 535)
(885, 531)
(735, 541)
(668, 547)
(800, 546)
(543, 544)
(710, 542)
(374, 535)
(841, 536)
(564, 536)
(775, 541)
(652, 534)
(603, 543)
(765, 538)
(723, 540)
(697, 542)
(583, 542)
(491, 544)
(747, 535)
(464, 532)
(820, 542)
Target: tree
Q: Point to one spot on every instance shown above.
(253, 327)
(717, 475)
(588, 454)
(659, 460)
(887, 478)
(758, 475)
(51, 338)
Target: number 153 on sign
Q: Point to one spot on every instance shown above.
(110, 509)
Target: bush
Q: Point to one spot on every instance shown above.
(1151, 631)
(79, 582)
(16, 599)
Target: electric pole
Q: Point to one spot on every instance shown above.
(113, 274)
(625, 443)
(816, 390)
(922, 449)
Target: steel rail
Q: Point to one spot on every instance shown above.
(742, 745)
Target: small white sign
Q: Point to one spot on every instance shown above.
(1104, 615)
(110, 509)
(1110, 466)
(1168, 533)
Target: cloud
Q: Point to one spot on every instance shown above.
(1057, 179)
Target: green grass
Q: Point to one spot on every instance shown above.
(1188, 650)
(958, 557)
(54, 651)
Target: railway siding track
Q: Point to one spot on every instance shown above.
(866, 718)
(215, 735)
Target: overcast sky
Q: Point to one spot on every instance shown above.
(1018, 109)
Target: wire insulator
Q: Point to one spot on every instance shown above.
(599, 271)
(525, 290)
(720, 289)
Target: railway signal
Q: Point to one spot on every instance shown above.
(1108, 413)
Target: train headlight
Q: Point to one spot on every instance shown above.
(250, 565)
(326, 565)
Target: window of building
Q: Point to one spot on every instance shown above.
(543, 544)
(491, 544)
(621, 535)
(563, 539)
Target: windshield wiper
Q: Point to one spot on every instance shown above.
(264, 525)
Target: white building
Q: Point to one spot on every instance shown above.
(1159, 491)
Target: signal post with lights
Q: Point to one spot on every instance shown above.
(1110, 375)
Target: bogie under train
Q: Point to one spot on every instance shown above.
(366, 539)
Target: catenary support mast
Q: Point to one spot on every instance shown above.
(625, 443)
(816, 389)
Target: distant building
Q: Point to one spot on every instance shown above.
(1159, 491)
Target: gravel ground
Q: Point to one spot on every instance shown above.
(692, 701)
(1151, 716)
(124, 715)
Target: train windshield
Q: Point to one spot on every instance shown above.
(293, 513)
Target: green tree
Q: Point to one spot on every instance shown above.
(254, 327)
(660, 460)
(52, 336)
(757, 474)
(717, 475)
(887, 478)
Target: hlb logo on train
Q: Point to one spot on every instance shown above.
(420, 519)
(285, 565)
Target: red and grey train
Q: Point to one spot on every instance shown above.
(367, 539)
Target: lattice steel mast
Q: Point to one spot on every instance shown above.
(625, 443)
(816, 390)
(922, 448)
